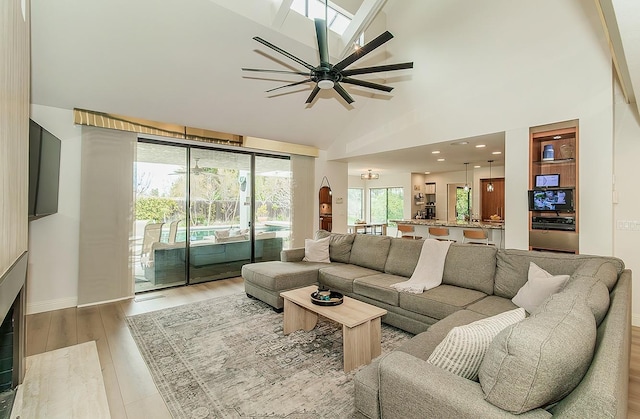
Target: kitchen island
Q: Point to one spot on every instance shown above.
(494, 230)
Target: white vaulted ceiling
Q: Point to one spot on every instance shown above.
(179, 61)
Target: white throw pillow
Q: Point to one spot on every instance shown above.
(462, 350)
(540, 285)
(317, 250)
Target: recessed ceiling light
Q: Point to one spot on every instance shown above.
(557, 137)
(427, 173)
(435, 152)
(480, 145)
(440, 159)
(460, 143)
(477, 167)
(497, 152)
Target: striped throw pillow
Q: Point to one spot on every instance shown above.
(462, 350)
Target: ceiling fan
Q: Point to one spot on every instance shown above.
(196, 170)
(328, 76)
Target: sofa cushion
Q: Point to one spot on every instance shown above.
(541, 359)
(403, 257)
(370, 251)
(441, 301)
(513, 266)
(492, 305)
(462, 350)
(278, 276)
(604, 270)
(539, 286)
(340, 277)
(591, 291)
(378, 287)
(339, 246)
(316, 250)
(470, 266)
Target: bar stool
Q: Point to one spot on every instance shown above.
(440, 233)
(405, 232)
(475, 236)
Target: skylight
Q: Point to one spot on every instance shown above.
(337, 21)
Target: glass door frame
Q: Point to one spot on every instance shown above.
(189, 147)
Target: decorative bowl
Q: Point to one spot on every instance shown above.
(327, 298)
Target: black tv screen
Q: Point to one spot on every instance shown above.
(44, 171)
(551, 200)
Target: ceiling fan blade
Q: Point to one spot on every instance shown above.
(283, 52)
(343, 93)
(377, 69)
(366, 84)
(323, 47)
(364, 50)
(313, 94)
(289, 85)
(302, 73)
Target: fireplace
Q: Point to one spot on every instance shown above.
(12, 333)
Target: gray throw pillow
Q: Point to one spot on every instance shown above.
(339, 246)
(539, 360)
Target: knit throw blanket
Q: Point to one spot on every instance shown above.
(429, 270)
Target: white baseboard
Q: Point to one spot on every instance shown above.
(50, 305)
(115, 300)
(635, 319)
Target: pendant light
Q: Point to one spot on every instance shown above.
(490, 185)
(466, 177)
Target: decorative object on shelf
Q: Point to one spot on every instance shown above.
(328, 76)
(466, 177)
(490, 184)
(370, 175)
(326, 297)
(548, 153)
(566, 151)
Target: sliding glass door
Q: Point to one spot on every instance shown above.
(220, 213)
(160, 188)
(194, 212)
(273, 207)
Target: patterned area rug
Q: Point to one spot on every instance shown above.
(228, 358)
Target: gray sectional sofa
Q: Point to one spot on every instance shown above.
(568, 358)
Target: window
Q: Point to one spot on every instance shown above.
(337, 21)
(355, 202)
(463, 204)
(386, 204)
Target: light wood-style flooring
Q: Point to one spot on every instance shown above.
(131, 392)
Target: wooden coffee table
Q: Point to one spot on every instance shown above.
(360, 323)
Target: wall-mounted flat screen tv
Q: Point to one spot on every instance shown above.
(551, 200)
(547, 181)
(44, 171)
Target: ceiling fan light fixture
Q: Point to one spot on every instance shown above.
(370, 176)
(325, 84)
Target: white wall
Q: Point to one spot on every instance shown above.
(627, 151)
(54, 240)
(500, 66)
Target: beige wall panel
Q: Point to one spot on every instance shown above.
(14, 130)
(106, 199)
